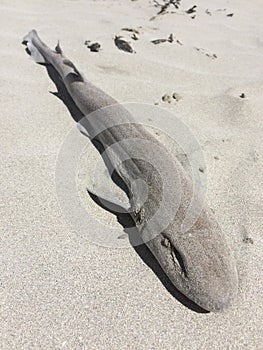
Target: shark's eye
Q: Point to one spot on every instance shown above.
(177, 258)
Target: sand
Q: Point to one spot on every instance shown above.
(58, 289)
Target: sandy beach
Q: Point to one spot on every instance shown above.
(61, 289)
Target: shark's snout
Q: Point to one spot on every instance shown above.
(211, 276)
(213, 292)
(201, 266)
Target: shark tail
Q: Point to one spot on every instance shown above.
(31, 49)
(33, 43)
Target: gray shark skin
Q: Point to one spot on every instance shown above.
(198, 262)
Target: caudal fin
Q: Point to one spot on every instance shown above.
(31, 49)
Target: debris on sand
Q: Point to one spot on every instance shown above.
(208, 12)
(133, 30)
(94, 47)
(242, 95)
(191, 10)
(123, 45)
(213, 56)
(168, 98)
(176, 96)
(230, 15)
(248, 240)
(170, 39)
(166, 5)
(158, 41)
(135, 36)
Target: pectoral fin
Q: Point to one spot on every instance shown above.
(110, 204)
(110, 195)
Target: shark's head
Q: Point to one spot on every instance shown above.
(199, 264)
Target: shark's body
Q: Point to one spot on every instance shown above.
(198, 262)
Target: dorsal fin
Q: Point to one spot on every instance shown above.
(70, 64)
(58, 49)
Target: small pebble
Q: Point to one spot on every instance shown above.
(248, 240)
(201, 170)
(95, 47)
(242, 95)
(166, 98)
(176, 96)
(135, 36)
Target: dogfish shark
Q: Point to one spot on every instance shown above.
(197, 260)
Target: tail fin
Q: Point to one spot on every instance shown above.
(32, 49)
